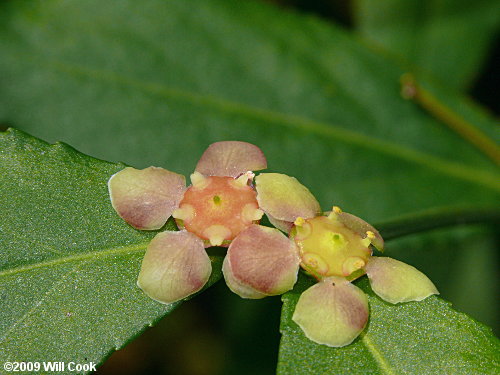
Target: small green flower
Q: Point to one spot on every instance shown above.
(335, 248)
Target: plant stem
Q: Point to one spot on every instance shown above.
(437, 218)
(411, 90)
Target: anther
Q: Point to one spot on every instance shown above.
(334, 214)
(299, 221)
(352, 264)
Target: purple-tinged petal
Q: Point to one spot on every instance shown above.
(332, 312)
(145, 198)
(285, 198)
(237, 286)
(395, 281)
(231, 158)
(174, 267)
(361, 227)
(263, 260)
(283, 225)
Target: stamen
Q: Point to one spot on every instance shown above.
(198, 180)
(352, 264)
(315, 263)
(244, 178)
(299, 221)
(370, 236)
(216, 234)
(250, 213)
(335, 213)
(186, 212)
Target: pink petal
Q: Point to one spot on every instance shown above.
(237, 286)
(231, 158)
(174, 267)
(262, 259)
(146, 198)
(282, 225)
(332, 312)
(395, 281)
(361, 227)
(285, 198)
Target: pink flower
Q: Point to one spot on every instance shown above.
(219, 208)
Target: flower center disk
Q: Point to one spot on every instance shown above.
(217, 209)
(328, 248)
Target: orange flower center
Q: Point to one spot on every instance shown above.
(217, 209)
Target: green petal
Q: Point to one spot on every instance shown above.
(285, 198)
(175, 266)
(231, 158)
(395, 281)
(333, 312)
(262, 260)
(146, 198)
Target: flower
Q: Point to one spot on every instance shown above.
(335, 248)
(222, 207)
(219, 208)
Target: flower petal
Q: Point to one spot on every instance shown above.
(174, 267)
(237, 286)
(262, 259)
(231, 158)
(395, 281)
(332, 312)
(285, 198)
(145, 198)
(282, 225)
(361, 227)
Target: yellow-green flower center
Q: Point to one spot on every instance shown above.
(328, 248)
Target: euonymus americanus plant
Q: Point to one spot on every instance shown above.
(323, 105)
(70, 266)
(223, 207)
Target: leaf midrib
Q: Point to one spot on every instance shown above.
(446, 167)
(97, 254)
(298, 122)
(376, 354)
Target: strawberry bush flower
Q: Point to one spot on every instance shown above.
(223, 207)
(220, 207)
(335, 248)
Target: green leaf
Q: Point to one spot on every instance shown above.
(155, 84)
(69, 264)
(408, 338)
(449, 39)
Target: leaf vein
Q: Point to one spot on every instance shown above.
(382, 362)
(447, 167)
(75, 258)
(40, 301)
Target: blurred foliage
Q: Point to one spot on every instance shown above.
(154, 83)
